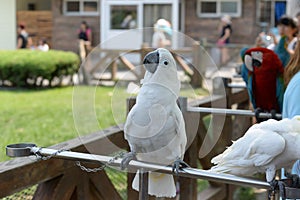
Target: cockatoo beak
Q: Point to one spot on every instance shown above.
(248, 62)
(151, 61)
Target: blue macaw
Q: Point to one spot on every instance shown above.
(282, 53)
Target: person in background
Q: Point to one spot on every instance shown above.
(85, 39)
(225, 30)
(22, 37)
(128, 22)
(43, 46)
(287, 43)
(291, 106)
(159, 38)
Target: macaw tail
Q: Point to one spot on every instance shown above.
(160, 185)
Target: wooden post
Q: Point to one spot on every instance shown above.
(196, 79)
(114, 69)
(131, 194)
(188, 186)
(144, 50)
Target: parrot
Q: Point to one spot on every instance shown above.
(282, 53)
(244, 70)
(265, 147)
(155, 127)
(265, 80)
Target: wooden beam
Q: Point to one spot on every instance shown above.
(130, 66)
(183, 65)
(212, 193)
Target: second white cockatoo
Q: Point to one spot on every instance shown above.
(155, 128)
(265, 147)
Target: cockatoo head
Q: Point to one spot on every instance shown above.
(161, 69)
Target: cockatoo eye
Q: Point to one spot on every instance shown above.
(166, 62)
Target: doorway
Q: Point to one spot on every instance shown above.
(123, 22)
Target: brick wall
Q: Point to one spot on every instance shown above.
(244, 28)
(65, 28)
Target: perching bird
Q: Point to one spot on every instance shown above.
(281, 51)
(265, 147)
(155, 128)
(265, 80)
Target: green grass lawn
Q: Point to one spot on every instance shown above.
(46, 117)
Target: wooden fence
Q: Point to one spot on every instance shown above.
(62, 179)
(193, 61)
(111, 59)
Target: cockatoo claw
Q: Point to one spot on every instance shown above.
(178, 165)
(274, 185)
(127, 158)
(257, 111)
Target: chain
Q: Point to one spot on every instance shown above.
(78, 163)
(42, 157)
(102, 167)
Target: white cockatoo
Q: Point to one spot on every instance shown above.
(155, 128)
(265, 147)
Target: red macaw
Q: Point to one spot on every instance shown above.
(265, 80)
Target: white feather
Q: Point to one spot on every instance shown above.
(133, 88)
(248, 62)
(265, 147)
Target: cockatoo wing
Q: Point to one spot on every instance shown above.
(256, 149)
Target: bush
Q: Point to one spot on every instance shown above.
(27, 67)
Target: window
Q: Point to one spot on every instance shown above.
(217, 8)
(81, 7)
(123, 17)
(270, 11)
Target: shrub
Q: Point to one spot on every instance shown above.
(26, 67)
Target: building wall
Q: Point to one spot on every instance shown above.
(244, 28)
(38, 4)
(38, 25)
(65, 28)
(8, 24)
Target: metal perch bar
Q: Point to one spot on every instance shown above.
(233, 85)
(230, 112)
(19, 149)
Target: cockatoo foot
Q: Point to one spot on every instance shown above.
(274, 185)
(127, 158)
(179, 164)
(257, 111)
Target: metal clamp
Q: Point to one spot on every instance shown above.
(19, 150)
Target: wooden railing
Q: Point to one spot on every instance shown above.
(62, 179)
(110, 59)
